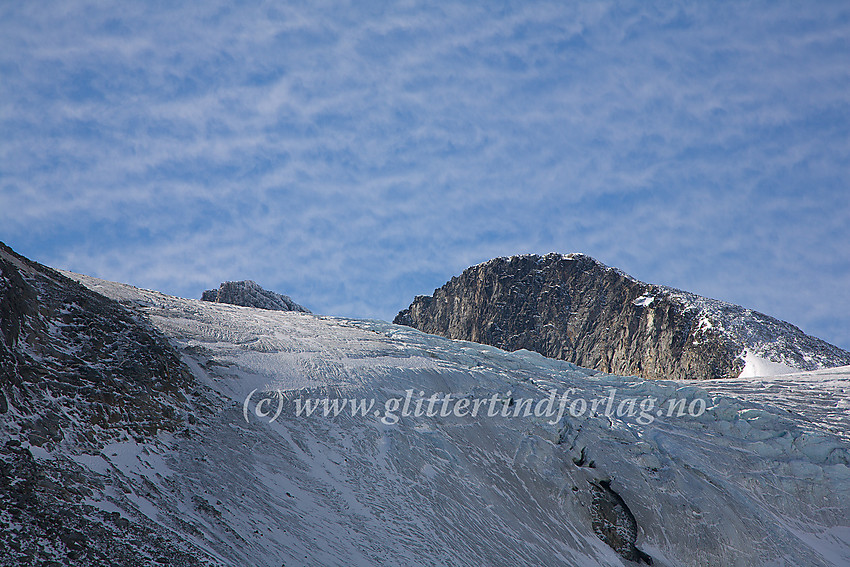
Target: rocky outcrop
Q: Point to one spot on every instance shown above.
(614, 523)
(248, 293)
(574, 308)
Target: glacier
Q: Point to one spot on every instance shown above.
(760, 477)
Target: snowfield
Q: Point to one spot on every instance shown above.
(760, 477)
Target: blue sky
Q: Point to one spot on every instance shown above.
(354, 155)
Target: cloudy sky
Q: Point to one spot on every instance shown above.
(354, 155)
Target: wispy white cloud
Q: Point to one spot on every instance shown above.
(354, 156)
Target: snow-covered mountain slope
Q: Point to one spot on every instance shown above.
(760, 477)
(770, 346)
(573, 307)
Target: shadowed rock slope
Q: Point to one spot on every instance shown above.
(78, 371)
(574, 308)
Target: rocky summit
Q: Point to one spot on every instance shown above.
(574, 308)
(248, 293)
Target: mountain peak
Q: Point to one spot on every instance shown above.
(575, 308)
(248, 293)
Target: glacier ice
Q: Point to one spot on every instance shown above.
(759, 478)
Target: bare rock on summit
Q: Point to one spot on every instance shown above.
(574, 308)
(248, 293)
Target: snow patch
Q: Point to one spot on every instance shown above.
(644, 300)
(756, 366)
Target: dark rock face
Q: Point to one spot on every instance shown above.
(614, 523)
(77, 370)
(63, 342)
(248, 293)
(574, 308)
